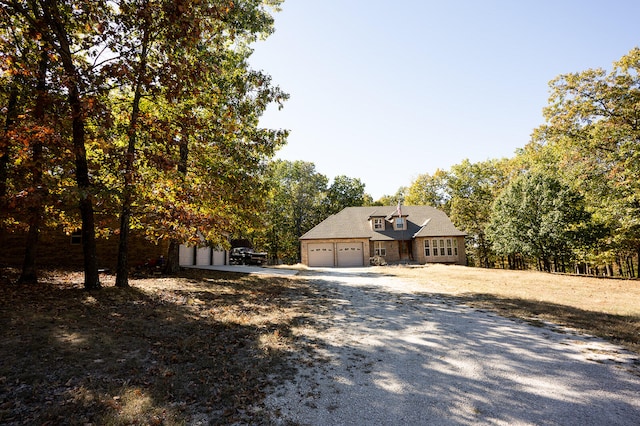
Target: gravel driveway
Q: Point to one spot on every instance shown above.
(389, 353)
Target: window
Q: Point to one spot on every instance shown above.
(449, 251)
(378, 224)
(399, 223)
(441, 247)
(76, 238)
(379, 249)
(427, 249)
(455, 247)
(434, 244)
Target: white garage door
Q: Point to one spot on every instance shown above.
(350, 254)
(320, 254)
(203, 256)
(186, 255)
(218, 257)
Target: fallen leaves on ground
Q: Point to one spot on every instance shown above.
(204, 346)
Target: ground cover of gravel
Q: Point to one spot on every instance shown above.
(390, 352)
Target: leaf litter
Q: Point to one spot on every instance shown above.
(201, 348)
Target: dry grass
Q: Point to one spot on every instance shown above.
(166, 351)
(205, 347)
(603, 307)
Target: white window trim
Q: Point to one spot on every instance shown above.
(379, 249)
(378, 224)
(442, 247)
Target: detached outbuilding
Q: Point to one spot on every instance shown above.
(420, 234)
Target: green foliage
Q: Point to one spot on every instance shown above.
(428, 190)
(472, 188)
(537, 216)
(593, 134)
(299, 199)
(295, 202)
(343, 192)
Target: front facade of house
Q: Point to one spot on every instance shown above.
(355, 235)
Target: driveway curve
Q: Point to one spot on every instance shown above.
(388, 352)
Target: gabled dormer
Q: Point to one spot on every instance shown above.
(378, 223)
(397, 220)
(399, 223)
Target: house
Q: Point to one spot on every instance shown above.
(56, 248)
(420, 234)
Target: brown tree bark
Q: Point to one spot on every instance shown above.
(12, 106)
(52, 19)
(29, 274)
(122, 269)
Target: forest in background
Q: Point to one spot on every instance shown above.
(144, 115)
(568, 201)
(132, 115)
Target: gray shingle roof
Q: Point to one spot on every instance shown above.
(354, 222)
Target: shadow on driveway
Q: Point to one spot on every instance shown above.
(386, 353)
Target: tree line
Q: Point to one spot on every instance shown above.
(132, 115)
(298, 198)
(568, 201)
(143, 116)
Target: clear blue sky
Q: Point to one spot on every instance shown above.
(386, 90)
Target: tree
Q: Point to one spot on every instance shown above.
(294, 206)
(73, 31)
(472, 188)
(164, 127)
(392, 200)
(593, 125)
(344, 192)
(429, 190)
(537, 216)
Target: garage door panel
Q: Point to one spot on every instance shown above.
(350, 254)
(203, 256)
(186, 255)
(219, 257)
(320, 254)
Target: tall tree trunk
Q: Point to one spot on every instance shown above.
(51, 17)
(173, 258)
(29, 273)
(122, 269)
(89, 249)
(12, 107)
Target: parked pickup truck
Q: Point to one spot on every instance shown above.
(246, 256)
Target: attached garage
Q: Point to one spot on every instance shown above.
(350, 254)
(320, 254)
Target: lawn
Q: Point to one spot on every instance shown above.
(165, 351)
(206, 347)
(608, 308)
